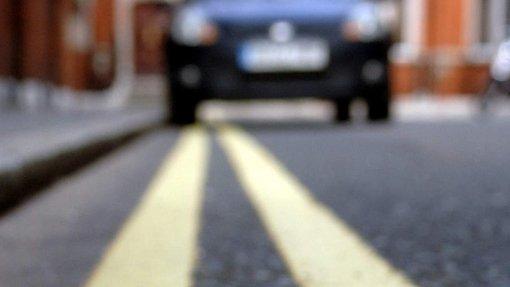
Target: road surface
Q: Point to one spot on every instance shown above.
(306, 204)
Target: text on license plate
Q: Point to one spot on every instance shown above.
(264, 56)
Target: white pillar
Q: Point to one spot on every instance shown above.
(413, 21)
(413, 32)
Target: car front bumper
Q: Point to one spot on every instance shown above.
(215, 72)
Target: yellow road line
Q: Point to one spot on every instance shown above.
(319, 249)
(157, 245)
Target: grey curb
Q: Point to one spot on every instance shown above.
(24, 174)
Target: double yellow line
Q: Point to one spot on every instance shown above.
(157, 246)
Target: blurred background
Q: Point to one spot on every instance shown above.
(81, 78)
(109, 53)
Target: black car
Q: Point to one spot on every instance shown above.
(264, 49)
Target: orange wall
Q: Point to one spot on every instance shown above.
(102, 20)
(7, 45)
(444, 23)
(74, 65)
(35, 25)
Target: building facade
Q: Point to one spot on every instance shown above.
(446, 46)
(56, 43)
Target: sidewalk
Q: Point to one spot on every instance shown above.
(455, 108)
(36, 148)
(410, 109)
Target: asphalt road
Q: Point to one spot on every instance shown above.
(432, 199)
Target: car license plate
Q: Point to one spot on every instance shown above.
(264, 56)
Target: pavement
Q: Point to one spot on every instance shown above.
(37, 147)
(415, 203)
(407, 108)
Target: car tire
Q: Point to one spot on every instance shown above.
(182, 105)
(342, 107)
(378, 104)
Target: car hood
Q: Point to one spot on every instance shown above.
(251, 11)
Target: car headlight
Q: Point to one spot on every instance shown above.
(366, 23)
(192, 28)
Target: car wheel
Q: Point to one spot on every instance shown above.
(182, 105)
(342, 110)
(378, 103)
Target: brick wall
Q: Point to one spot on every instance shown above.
(8, 47)
(57, 42)
(151, 23)
(441, 63)
(102, 54)
(35, 39)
